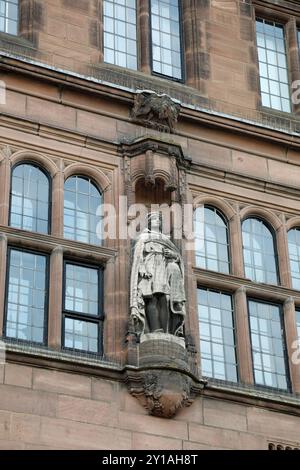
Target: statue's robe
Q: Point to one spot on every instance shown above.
(153, 273)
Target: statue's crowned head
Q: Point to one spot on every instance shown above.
(155, 222)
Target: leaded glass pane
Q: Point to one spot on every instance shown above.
(82, 289)
(267, 345)
(9, 15)
(29, 209)
(26, 302)
(81, 335)
(211, 240)
(275, 92)
(166, 38)
(259, 253)
(294, 254)
(120, 41)
(81, 201)
(217, 337)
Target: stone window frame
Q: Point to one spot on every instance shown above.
(291, 25)
(242, 288)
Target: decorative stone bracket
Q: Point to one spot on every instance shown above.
(150, 158)
(163, 383)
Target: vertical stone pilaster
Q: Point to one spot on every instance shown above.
(3, 258)
(291, 340)
(191, 323)
(57, 228)
(194, 15)
(31, 19)
(283, 257)
(110, 333)
(243, 337)
(144, 35)
(236, 246)
(55, 298)
(5, 172)
(293, 57)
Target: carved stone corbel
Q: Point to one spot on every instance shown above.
(162, 381)
(150, 159)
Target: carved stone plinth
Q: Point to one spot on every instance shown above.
(163, 383)
(163, 349)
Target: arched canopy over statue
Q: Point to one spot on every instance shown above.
(157, 294)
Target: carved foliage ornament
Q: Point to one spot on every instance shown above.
(157, 111)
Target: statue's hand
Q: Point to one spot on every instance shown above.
(146, 275)
(169, 253)
(135, 314)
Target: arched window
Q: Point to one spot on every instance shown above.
(30, 191)
(81, 200)
(260, 258)
(211, 240)
(294, 253)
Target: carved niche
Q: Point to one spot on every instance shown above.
(157, 111)
(150, 159)
(161, 370)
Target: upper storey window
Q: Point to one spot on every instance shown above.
(166, 38)
(9, 16)
(120, 44)
(162, 33)
(273, 69)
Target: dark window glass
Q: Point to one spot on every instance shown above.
(82, 200)
(259, 253)
(166, 38)
(211, 240)
(294, 253)
(273, 68)
(120, 44)
(267, 345)
(26, 296)
(9, 15)
(217, 336)
(82, 308)
(29, 208)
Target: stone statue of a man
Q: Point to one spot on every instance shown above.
(157, 296)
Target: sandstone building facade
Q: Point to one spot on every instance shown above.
(72, 74)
